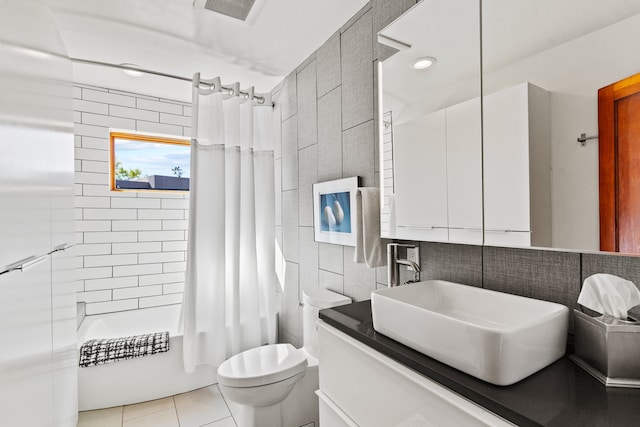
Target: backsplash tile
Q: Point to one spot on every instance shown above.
(454, 263)
(546, 275)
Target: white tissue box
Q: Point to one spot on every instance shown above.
(608, 348)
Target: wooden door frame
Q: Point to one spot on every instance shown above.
(607, 152)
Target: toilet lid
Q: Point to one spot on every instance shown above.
(262, 365)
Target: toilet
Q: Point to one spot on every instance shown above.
(274, 385)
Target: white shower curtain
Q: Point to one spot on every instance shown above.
(229, 293)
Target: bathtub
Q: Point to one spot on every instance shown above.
(143, 378)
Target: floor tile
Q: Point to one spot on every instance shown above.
(227, 422)
(110, 417)
(166, 418)
(147, 408)
(200, 407)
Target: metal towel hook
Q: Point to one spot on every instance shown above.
(584, 138)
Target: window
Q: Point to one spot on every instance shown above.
(148, 163)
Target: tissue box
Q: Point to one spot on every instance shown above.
(608, 348)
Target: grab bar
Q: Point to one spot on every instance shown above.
(62, 247)
(25, 264)
(28, 263)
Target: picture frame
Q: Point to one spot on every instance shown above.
(334, 211)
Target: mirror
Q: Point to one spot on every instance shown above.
(431, 124)
(564, 52)
(543, 63)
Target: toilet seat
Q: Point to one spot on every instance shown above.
(262, 365)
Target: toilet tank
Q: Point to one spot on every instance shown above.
(315, 300)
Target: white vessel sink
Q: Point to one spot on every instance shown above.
(497, 337)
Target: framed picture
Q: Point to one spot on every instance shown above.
(334, 211)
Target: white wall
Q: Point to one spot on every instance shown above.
(131, 247)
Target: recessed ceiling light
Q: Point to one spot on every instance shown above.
(424, 62)
(130, 70)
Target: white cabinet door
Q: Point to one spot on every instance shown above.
(419, 148)
(331, 415)
(464, 172)
(506, 163)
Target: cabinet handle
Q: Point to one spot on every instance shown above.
(422, 227)
(494, 230)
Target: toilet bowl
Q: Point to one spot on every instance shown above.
(274, 385)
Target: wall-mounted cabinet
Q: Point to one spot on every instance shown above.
(420, 162)
(517, 167)
(438, 176)
(464, 172)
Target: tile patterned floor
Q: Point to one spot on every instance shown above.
(198, 408)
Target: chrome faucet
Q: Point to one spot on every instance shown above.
(394, 262)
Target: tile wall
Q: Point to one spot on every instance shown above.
(329, 132)
(131, 246)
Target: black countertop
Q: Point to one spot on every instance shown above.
(561, 394)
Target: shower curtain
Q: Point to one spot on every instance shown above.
(229, 292)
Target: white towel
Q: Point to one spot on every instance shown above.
(609, 294)
(370, 248)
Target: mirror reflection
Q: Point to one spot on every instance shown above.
(567, 57)
(543, 65)
(431, 148)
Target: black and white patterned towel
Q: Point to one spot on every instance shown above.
(99, 352)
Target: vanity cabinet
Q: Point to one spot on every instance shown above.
(517, 167)
(438, 176)
(361, 387)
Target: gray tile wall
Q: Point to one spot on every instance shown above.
(328, 132)
(327, 108)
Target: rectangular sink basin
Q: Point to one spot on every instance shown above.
(496, 337)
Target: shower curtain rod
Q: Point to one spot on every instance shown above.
(213, 85)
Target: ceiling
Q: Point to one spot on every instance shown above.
(179, 38)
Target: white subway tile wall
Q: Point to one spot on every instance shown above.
(131, 247)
